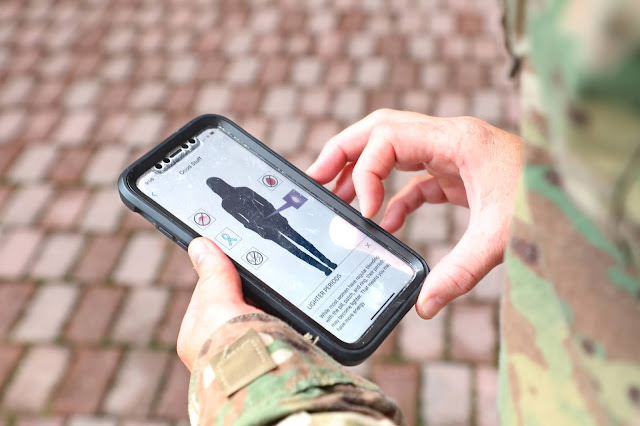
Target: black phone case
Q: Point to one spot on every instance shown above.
(254, 289)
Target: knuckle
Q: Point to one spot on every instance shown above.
(475, 128)
(382, 133)
(463, 280)
(382, 114)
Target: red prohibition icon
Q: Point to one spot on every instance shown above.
(202, 219)
(270, 180)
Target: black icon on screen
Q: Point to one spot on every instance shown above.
(260, 216)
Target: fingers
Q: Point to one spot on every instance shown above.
(477, 252)
(344, 186)
(391, 145)
(219, 281)
(347, 145)
(419, 190)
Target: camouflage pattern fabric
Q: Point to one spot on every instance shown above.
(307, 387)
(570, 347)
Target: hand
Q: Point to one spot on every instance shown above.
(468, 163)
(216, 299)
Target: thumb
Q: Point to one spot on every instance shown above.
(471, 259)
(219, 281)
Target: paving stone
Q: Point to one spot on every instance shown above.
(487, 106)
(256, 126)
(26, 204)
(172, 403)
(136, 383)
(286, 135)
(238, 44)
(265, 20)
(306, 71)
(117, 68)
(99, 258)
(85, 383)
(57, 256)
(40, 421)
(149, 94)
(41, 124)
(441, 24)
(91, 421)
(242, 71)
(69, 165)
(141, 312)
(181, 69)
(400, 382)
(17, 248)
(339, 74)
(11, 122)
(35, 379)
(13, 298)
(32, 164)
(486, 396)
(246, 100)
(46, 314)
(167, 332)
(93, 315)
(178, 271)
(47, 93)
(430, 223)
(473, 334)
(212, 98)
(279, 102)
(106, 165)
(446, 394)
(419, 339)
(15, 90)
(417, 101)
(403, 75)
(379, 99)
(372, 73)
(349, 105)
(75, 128)
(65, 209)
(489, 289)
(320, 133)
(145, 130)
(451, 105)
(434, 76)
(141, 259)
(104, 211)
(9, 357)
(146, 423)
(82, 93)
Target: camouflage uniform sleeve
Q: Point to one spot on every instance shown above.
(257, 370)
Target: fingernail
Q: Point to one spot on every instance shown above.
(310, 168)
(430, 307)
(197, 250)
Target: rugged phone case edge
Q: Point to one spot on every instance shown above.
(253, 291)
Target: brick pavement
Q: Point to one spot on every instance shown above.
(91, 297)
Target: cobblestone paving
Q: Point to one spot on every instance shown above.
(91, 296)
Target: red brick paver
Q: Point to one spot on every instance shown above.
(92, 297)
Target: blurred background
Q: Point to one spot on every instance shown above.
(92, 296)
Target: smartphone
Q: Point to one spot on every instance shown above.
(303, 254)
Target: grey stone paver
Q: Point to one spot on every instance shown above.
(45, 315)
(85, 88)
(37, 375)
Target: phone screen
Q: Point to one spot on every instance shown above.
(288, 239)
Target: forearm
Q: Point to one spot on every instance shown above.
(297, 378)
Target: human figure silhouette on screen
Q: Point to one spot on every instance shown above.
(253, 211)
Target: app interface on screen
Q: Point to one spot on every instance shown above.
(292, 242)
